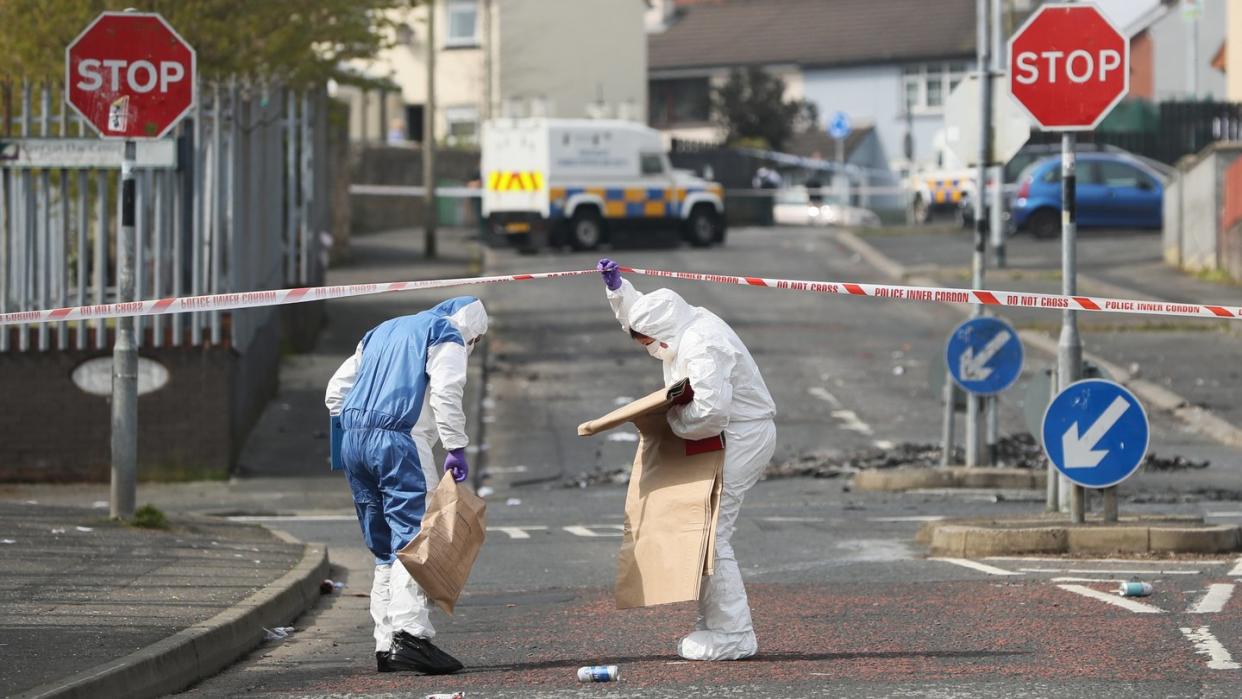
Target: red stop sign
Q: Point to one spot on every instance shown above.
(130, 75)
(1068, 67)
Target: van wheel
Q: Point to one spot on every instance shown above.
(701, 227)
(1045, 223)
(586, 230)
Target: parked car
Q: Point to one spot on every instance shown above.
(1114, 191)
(1033, 152)
(794, 207)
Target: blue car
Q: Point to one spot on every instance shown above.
(1114, 191)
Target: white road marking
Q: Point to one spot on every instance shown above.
(1237, 568)
(883, 444)
(495, 470)
(975, 565)
(623, 437)
(850, 421)
(1094, 571)
(911, 518)
(1206, 644)
(1115, 600)
(1223, 514)
(588, 531)
(822, 393)
(1215, 600)
(792, 519)
(1054, 559)
(293, 518)
(1111, 581)
(848, 418)
(517, 532)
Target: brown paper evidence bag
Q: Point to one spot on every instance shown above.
(669, 538)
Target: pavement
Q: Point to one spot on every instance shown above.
(847, 602)
(81, 593)
(144, 612)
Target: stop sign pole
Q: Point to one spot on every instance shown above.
(130, 76)
(1068, 67)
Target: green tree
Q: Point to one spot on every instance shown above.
(303, 41)
(753, 110)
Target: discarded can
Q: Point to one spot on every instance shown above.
(1134, 589)
(598, 673)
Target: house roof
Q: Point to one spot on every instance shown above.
(813, 33)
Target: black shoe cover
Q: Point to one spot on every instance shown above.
(382, 662)
(420, 655)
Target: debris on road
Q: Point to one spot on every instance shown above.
(1019, 450)
(600, 476)
(328, 586)
(1135, 589)
(279, 633)
(513, 502)
(485, 491)
(598, 673)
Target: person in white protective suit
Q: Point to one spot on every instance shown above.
(728, 396)
(390, 402)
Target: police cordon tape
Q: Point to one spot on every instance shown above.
(922, 294)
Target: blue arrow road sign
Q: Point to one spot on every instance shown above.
(984, 355)
(1095, 432)
(839, 127)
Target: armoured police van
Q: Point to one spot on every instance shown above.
(583, 182)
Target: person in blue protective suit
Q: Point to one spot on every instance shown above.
(727, 396)
(398, 394)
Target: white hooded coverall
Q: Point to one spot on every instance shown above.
(397, 601)
(730, 397)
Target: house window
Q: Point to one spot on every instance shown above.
(926, 86)
(679, 101)
(463, 23)
(463, 125)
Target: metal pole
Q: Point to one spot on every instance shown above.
(950, 414)
(1069, 348)
(997, 200)
(1052, 503)
(978, 259)
(125, 357)
(429, 139)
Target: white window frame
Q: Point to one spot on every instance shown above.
(461, 115)
(946, 74)
(456, 7)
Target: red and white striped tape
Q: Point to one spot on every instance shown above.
(924, 294)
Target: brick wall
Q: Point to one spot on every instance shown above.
(192, 428)
(53, 431)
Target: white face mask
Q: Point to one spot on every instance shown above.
(659, 351)
(470, 345)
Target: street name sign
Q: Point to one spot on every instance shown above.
(84, 153)
(1096, 433)
(1068, 66)
(984, 355)
(130, 75)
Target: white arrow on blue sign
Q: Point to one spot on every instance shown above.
(839, 127)
(984, 355)
(1096, 433)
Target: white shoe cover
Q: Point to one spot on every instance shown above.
(713, 645)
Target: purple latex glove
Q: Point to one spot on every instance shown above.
(456, 465)
(611, 273)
